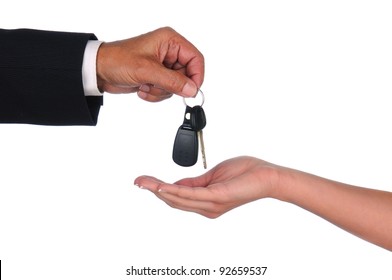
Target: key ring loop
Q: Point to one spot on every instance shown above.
(202, 96)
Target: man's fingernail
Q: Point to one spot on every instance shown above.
(189, 90)
(145, 88)
(142, 94)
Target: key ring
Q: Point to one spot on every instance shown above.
(202, 96)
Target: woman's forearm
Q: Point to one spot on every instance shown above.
(366, 213)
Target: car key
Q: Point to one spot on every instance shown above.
(198, 122)
(186, 144)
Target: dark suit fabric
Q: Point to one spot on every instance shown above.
(41, 78)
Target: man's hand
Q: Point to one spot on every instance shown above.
(156, 65)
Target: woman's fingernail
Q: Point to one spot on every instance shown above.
(140, 187)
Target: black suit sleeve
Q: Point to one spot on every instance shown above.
(41, 78)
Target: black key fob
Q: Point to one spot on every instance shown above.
(186, 146)
(197, 118)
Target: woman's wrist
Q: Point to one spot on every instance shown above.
(289, 184)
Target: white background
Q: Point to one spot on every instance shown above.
(304, 84)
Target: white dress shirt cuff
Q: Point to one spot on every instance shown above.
(89, 69)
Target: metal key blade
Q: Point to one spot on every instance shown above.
(203, 152)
